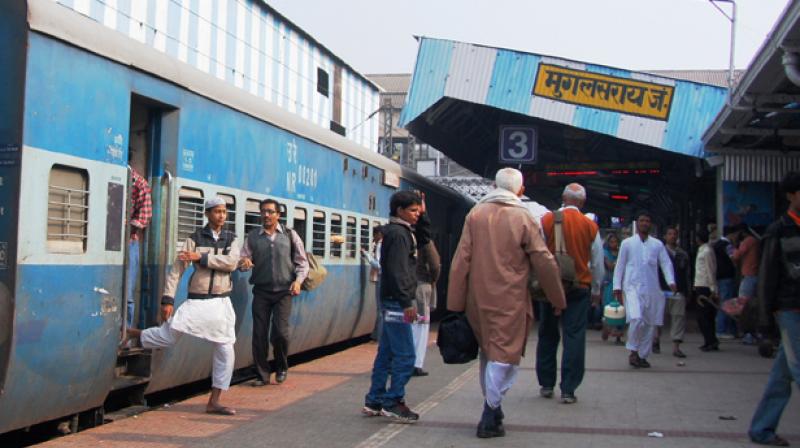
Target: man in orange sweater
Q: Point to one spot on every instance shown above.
(582, 242)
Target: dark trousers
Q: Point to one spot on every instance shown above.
(573, 323)
(273, 308)
(706, 318)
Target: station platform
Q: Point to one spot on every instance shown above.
(706, 402)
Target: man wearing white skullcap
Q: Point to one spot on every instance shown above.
(207, 313)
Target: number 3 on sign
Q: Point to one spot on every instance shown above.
(517, 144)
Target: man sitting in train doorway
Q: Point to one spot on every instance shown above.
(207, 313)
(278, 260)
(396, 355)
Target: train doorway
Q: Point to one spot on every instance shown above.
(142, 137)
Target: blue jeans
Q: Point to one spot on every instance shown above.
(573, 323)
(726, 292)
(779, 386)
(747, 287)
(395, 352)
(133, 273)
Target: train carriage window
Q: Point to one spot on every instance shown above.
(252, 215)
(230, 204)
(190, 214)
(365, 234)
(299, 224)
(283, 219)
(318, 234)
(352, 244)
(336, 238)
(67, 210)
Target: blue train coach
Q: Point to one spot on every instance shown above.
(79, 103)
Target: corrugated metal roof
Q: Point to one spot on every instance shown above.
(392, 82)
(714, 77)
(504, 79)
(758, 168)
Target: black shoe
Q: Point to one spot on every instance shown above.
(678, 353)
(419, 372)
(371, 410)
(633, 360)
(281, 376)
(489, 426)
(656, 347)
(546, 392)
(643, 363)
(568, 398)
(400, 413)
(259, 383)
(775, 441)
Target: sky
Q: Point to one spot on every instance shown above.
(376, 36)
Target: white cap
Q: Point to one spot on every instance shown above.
(214, 202)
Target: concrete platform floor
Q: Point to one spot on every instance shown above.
(617, 406)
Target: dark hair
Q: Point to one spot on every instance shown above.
(702, 235)
(403, 199)
(790, 182)
(672, 227)
(269, 201)
(641, 213)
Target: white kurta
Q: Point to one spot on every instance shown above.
(636, 274)
(210, 319)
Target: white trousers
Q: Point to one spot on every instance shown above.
(222, 367)
(496, 379)
(420, 333)
(640, 337)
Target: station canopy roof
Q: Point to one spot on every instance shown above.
(757, 135)
(632, 138)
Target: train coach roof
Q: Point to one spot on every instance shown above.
(49, 18)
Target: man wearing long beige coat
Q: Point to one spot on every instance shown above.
(501, 245)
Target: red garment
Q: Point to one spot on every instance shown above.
(579, 234)
(141, 203)
(795, 217)
(748, 255)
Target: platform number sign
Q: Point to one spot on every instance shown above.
(518, 145)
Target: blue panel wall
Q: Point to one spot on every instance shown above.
(694, 108)
(512, 81)
(75, 103)
(430, 77)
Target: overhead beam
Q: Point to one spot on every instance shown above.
(760, 132)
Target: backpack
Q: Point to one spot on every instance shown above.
(566, 264)
(316, 271)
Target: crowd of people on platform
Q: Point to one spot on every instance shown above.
(515, 259)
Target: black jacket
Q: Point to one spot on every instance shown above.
(398, 264)
(779, 272)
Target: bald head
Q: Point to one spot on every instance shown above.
(574, 194)
(509, 179)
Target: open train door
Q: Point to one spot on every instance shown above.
(152, 133)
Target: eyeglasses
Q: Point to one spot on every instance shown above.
(269, 212)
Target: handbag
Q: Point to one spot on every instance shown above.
(316, 271)
(456, 341)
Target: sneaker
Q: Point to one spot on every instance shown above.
(568, 398)
(726, 337)
(775, 441)
(419, 372)
(678, 353)
(371, 410)
(400, 413)
(258, 382)
(546, 392)
(748, 339)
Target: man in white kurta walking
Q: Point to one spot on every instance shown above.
(636, 285)
(207, 313)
